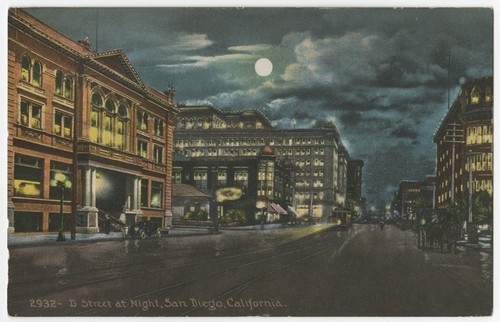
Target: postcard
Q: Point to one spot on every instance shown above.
(249, 161)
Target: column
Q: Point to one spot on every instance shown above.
(93, 187)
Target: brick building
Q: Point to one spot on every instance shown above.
(83, 127)
(354, 184)
(465, 136)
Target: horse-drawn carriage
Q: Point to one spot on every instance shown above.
(436, 230)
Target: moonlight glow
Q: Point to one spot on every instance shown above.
(263, 67)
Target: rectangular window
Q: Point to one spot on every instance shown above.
(156, 194)
(119, 134)
(144, 192)
(62, 125)
(177, 177)
(158, 154)
(142, 148)
(55, 222)
(60, 175)
(28, 176)
(28, 222)
(31, 114)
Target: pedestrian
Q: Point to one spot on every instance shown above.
(382, 225)
(107, 225)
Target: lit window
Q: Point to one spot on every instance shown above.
(59, 82)
(158, 154)
(62, 125)
(158, 129)
(37, 74)
(474, 96)
(28, 174)
(56, 169)
(26, 69)
(31, 114)
(156, 194)
(142, 121)
(68, 88)
(142, 148)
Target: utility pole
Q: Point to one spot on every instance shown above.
(454, 135)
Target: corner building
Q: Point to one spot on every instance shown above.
(464, 140)
(205, 133)
(83, 128)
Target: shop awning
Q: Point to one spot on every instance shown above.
(273, 207)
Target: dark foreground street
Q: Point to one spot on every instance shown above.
(310, 271)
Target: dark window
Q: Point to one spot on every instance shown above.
(158, 154)
(144, 192)
(55, 222)
(68, 87)
(28, 222)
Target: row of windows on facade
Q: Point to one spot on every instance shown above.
(477, 135)
(32, 72)
(477, 185)
(29, 178)
(253, 142)
(207, 123)
(113, 133)
(478, 162)
(29, 181)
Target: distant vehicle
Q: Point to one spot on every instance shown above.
(341, 218)
(143, 229)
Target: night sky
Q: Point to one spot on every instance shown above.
(380, 74)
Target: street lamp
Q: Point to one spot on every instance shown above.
(60, 181)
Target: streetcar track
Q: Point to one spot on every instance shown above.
(170, 288)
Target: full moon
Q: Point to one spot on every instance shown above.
(263, 67)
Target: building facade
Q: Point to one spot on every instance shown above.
(464, 140)
(84, 129)
(204, 132)
(354, 184)
(261, 179)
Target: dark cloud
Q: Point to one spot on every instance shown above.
(350, 118)
(404, 132)
(372, 71)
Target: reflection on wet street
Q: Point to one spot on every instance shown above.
(302, 271)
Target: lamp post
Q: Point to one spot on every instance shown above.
(60, 181)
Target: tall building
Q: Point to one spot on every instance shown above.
(465, 138)
(408, 193)
(85, 132)
(354, 184)
(205, 133)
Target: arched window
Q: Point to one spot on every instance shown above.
(37, 74)
(95, 118)
(68, 88)
(26, 69)
(487, 95)
(107, 133)
(142, 121)
(59, 82)
(158, 130)
(474, 96)
(121, 128)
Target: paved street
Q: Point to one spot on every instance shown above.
(307, 271)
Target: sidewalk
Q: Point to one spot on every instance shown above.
(47, 239)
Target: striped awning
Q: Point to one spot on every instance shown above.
(276, 208)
